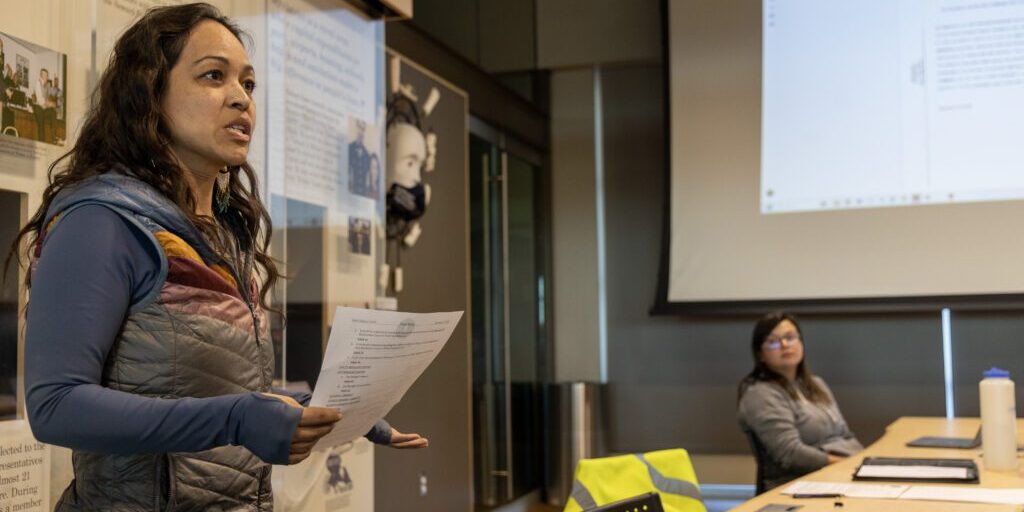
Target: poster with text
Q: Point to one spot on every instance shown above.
(325, 142)
(24, 469)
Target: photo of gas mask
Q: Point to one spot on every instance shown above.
(411, 153)
(407, 195)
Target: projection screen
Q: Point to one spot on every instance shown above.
(845, 149)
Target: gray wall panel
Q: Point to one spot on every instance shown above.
(981, 341)
(574, 227)
(436, 279)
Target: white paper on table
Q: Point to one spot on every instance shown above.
(372, 359)
(880, 471)
(965, 494)
(848, 490)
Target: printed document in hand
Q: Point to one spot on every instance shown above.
(372, 359)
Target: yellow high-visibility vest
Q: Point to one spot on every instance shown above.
(610, 479)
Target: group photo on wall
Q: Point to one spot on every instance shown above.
(34, 91)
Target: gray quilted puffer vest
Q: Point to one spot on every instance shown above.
(197, 335)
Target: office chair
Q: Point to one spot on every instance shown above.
(649, 502)
(760, 455)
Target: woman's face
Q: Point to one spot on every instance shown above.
(783, 350)
(208, 102)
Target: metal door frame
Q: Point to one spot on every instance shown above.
(505, 145)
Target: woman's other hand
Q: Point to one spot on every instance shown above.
(407, 441)
(832, 459)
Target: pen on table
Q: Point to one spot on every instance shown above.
(817, 495)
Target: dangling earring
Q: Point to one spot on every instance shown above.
(223, 194)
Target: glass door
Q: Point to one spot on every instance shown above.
(524, 336)
(490, 405)
(509, 345)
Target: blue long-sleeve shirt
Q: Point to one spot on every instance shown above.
(94, 267)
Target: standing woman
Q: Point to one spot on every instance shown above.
(789, 411)
(147, 348)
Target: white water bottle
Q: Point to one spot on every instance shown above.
(998, 421)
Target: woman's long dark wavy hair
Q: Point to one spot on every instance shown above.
(126, 125)
(762, 373)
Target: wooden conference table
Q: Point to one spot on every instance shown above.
(892, 444)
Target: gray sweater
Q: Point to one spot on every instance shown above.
(796, 435)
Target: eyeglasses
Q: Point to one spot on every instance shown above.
(776, 343)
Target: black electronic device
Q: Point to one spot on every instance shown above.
(961, 443)
(649, 502)
(779, 507)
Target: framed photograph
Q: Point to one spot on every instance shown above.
(33, 91)
(359, 235)
(364, 165)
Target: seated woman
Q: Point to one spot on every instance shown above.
(790, 412)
